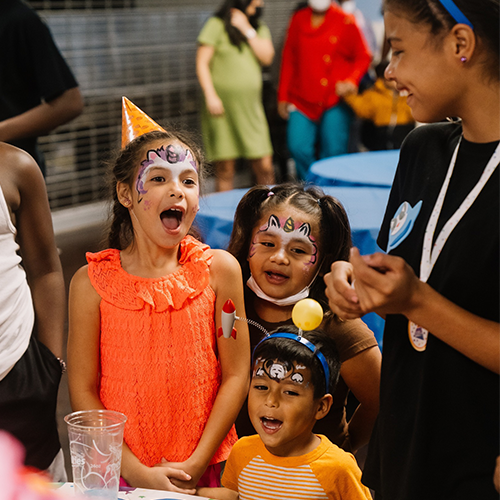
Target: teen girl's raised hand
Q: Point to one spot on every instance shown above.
(371, 283)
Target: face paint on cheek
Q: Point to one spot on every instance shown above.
(314, 254)
(139, 183)
(147, 205)
(251, 252)
(196, 209)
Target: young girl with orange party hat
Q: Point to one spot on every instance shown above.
(143, 316)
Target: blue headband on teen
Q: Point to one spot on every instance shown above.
(455, 12)
(309, 345)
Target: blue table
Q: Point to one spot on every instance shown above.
(365, 207)
(375, 168)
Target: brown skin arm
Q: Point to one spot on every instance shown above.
(218, 493)
(397, 290)
(24, 189)
(213, 102)
(43, 118)
(234, 357)
(362, 375)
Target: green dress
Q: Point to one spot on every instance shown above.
(242, 132)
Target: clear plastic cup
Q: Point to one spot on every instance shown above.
(95, 444)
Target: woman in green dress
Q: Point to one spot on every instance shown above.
(233, 47)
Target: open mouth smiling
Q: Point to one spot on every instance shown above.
(271, 425)
(172, 218)
(274, 277)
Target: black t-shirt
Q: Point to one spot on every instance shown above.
(31, 67)
(437, 435)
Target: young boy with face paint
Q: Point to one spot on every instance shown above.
(143, 316)
(293, 378)
(285, 239)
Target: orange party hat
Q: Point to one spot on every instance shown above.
(135, 122)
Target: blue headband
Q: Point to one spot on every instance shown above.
(309, 345)
(455, 12)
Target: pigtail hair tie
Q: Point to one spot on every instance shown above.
(270, 194)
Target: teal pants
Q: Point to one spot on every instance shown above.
(308, 139)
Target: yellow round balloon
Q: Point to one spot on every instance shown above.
(307, 314)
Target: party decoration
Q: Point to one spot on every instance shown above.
(307, 314)
(228, 317)
(135, 122)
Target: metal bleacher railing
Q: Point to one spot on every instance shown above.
(144, 49)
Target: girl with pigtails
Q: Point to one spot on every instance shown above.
(285, 239)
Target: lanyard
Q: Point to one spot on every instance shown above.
(431, 253)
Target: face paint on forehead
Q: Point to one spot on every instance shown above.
(174, 158)
(288, 230)
(279, 370)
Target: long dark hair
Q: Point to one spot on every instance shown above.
(335, 232)
(483, 15)
(124, 169)
(235, 35)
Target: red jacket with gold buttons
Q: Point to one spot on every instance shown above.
(315, 59)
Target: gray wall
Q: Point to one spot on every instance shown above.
(145, 50)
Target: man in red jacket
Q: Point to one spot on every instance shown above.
(324, 57)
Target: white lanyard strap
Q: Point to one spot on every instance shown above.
(429, 257)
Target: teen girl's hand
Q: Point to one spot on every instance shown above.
(384, 283)
(379, 283)
(342, 297)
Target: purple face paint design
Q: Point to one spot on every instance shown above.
(172, 154)
(288, 230)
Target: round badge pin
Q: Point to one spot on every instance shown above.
(418, 336)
